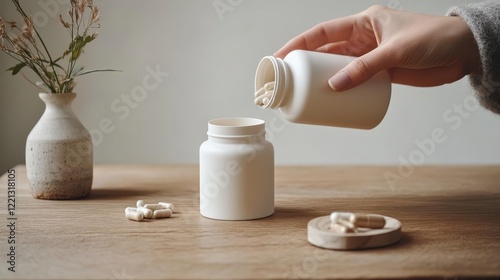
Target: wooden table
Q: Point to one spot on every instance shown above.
(450, 217)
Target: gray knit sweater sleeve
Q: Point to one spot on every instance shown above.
(483, 18)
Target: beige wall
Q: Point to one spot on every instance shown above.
(210, 56)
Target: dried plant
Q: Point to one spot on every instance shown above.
(24, 43)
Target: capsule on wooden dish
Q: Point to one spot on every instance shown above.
(368, 221)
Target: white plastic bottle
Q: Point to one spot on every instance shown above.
(302, 93)
(236, 170)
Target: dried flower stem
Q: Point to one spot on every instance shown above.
(25, 17)
(27, 47)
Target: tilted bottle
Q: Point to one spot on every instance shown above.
(302, 94)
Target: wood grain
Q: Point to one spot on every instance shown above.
(450, 219)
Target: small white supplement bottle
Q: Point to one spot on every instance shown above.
(302, 94)
(236, 170)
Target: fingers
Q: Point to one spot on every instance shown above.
(327, 32)
(363, 68)
(387, 58)
(346, 48)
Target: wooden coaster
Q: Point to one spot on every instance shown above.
(319, 234)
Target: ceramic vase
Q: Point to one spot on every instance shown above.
(59, 152)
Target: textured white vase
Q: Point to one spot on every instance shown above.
(59, 155)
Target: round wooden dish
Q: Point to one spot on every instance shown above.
(319, 234)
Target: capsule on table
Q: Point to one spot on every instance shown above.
(140, 203)
(153, 207)
(134, 216)
(130, 209)
(148, 213)
(167, 205)
(368, 221)
(163, 213)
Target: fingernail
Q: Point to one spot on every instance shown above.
(340, 81)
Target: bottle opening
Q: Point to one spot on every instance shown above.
(236, 122)
(266, 75)
(236, 127)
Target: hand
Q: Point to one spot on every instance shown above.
(416, 49)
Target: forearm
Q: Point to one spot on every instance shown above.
(483, 19)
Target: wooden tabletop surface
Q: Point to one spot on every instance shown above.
(450, 217)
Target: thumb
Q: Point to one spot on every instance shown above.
(362, 68)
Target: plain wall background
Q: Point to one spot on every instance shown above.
(211, 56)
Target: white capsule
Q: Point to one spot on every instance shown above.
(134, 216)
(140, 203)
(148, 213)
(130, 209)
(265, 101)
(368, 221)
(163, 213)
(153, 207)
(269, 86)
(167, 205)
(342, 226)
(337, 216)
(259, 92)
(259, 100)
(268, 94)
(352, 227)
